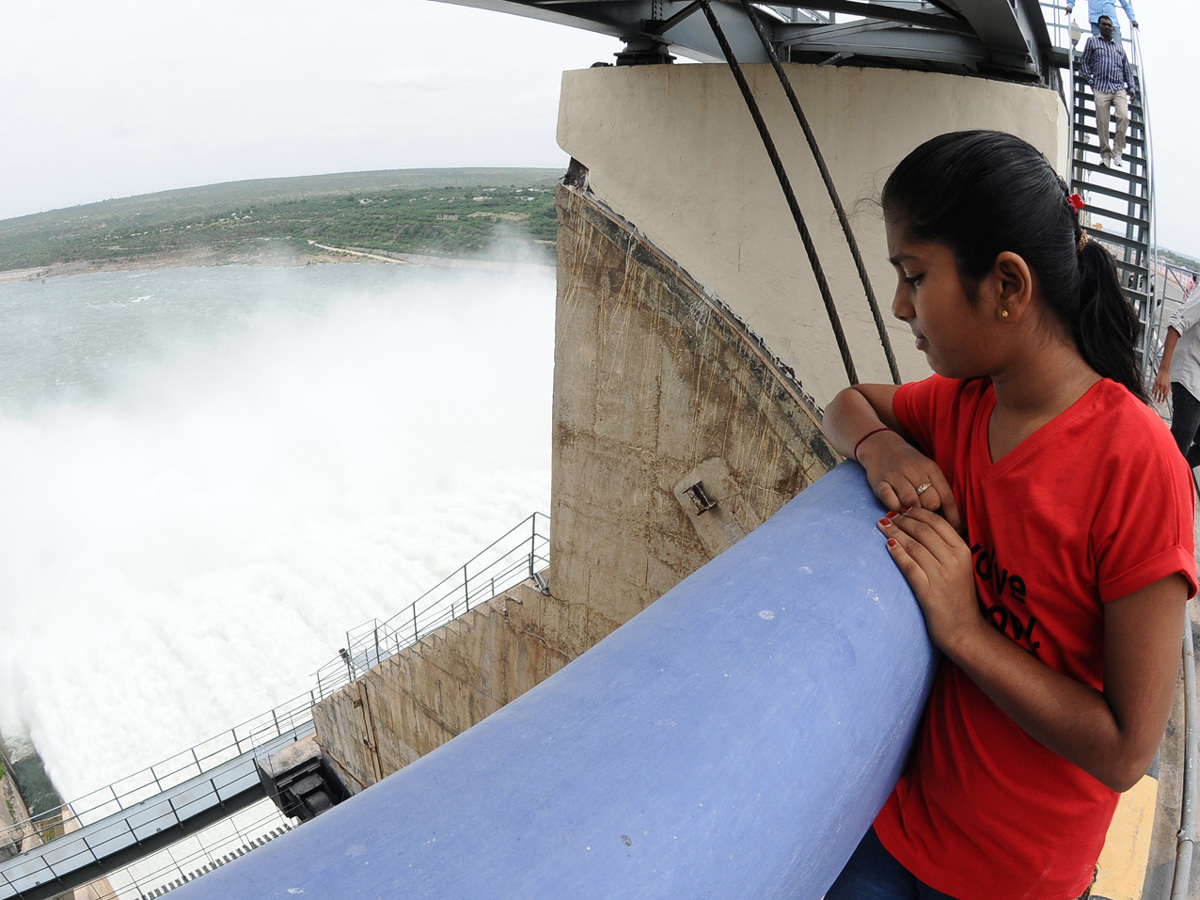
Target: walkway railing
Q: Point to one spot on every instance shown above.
(205, 757)
(92, 850)
(521, 553)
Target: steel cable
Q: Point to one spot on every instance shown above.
(809, 247)
(819, 158)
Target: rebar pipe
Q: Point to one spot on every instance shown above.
(810, 248)
(1186, 837)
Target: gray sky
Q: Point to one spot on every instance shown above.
(106, 100)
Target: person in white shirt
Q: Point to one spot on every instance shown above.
(1098, 8)
(1179, 376)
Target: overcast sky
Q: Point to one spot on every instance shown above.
(103, 100)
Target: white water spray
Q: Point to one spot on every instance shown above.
(181, 553)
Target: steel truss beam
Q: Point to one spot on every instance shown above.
(996, 38)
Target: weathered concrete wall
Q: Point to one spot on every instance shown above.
(656, 387)
(16, 835)
(673, 150)
(422, 697)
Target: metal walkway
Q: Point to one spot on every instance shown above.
(127, 835)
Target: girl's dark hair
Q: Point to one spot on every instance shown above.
(983, 192)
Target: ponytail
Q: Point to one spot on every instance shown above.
(1106, 329)
(981, 193)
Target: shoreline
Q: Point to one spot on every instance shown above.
(416, 259)
(327, 254)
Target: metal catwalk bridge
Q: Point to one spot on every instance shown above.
(127, 835)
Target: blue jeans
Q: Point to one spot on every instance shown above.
(1185, 422)
(874, 874)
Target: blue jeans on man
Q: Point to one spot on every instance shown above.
(1185, 422)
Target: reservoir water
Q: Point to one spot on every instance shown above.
(207, 475)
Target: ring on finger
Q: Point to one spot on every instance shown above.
(922, 488)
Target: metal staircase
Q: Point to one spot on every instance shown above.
(1119, 201)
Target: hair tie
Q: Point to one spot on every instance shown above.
(1076, 203)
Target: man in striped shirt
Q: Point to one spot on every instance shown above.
(1106, 69)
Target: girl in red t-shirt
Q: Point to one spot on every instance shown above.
(1019, 478)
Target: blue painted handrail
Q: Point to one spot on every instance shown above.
(733, 740)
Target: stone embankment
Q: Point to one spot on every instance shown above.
(15, 836)
(319, 254)
(354, 254)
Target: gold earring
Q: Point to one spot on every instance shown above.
(1004, 313)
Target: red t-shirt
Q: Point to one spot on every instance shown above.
(1093, 506)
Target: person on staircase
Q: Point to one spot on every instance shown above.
(1179, 376)
(1106, 69)
(1098, 8)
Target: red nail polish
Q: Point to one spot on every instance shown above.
(891, 542)
(893, 514)
(885, 522)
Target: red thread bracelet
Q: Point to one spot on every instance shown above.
(864, 437)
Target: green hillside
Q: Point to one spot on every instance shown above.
(1182, 260)
(493, 213)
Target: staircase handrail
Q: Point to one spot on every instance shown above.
(1069, 94)
(1058, 25)
(1151, 353)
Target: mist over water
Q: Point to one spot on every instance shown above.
(208, 475)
